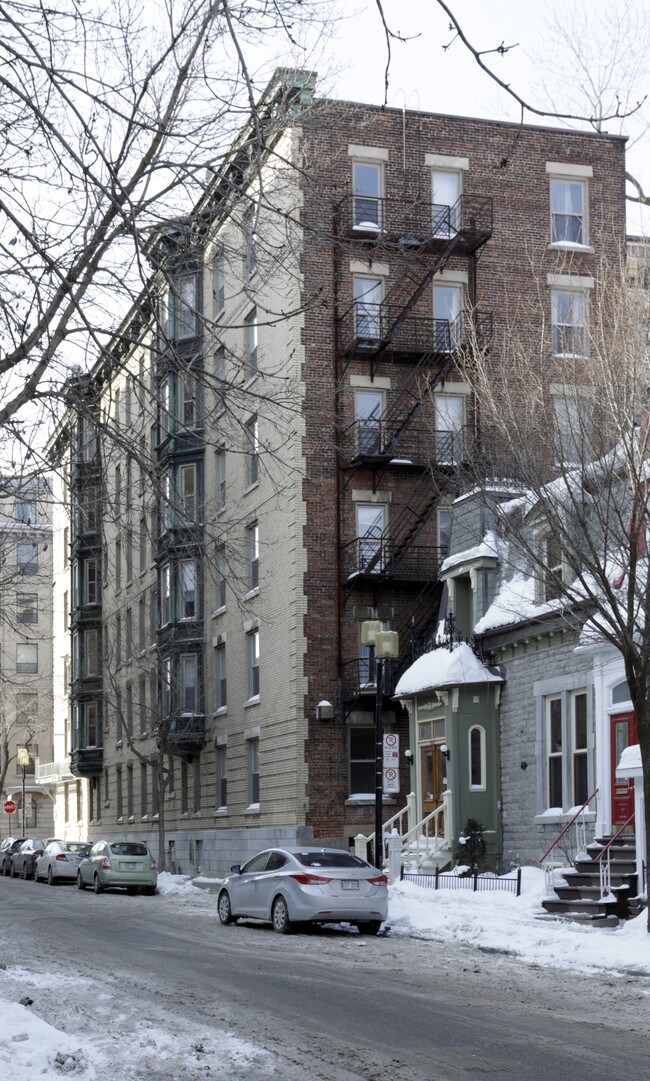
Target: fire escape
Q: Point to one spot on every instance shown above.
(396, 445)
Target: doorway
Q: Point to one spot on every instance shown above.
(622, 734)
(432, 776)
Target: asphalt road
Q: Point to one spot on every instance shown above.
(331, 1004)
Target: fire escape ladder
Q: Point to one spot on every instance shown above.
(413, 396)
(414, 516)
(416, 632)
(419, 284)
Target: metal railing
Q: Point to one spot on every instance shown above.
(478, 883)
(385, 559)
(365, 326)
(580, 840)
(604, 866)
(421, 840)
(416, 221)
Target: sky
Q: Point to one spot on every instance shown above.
(36, 1042)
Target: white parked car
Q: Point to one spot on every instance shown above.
(306, 885)
(60, 861)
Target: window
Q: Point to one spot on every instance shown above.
(189, 685)
(166, 687)
(187, 491)
(129, 789)
(253, 664)
(129, 632)
(221, 676)
(445, 194)
(252, 451)
(220, 375)
(182, 306)
(188, 589)
(450, 418)
(362, 760)
(90, 581)
(90, 652)
(250, 237)
(27, 608)
(144, 794)
(250, 343)
(118, 487)
(26, 710)
(128, 402)
(371, 526)
(143, 545)
(118, 564)
(219, 284)
(222, 776)
(579, 744)
(197, 803)
(129, 709)
(25, 506)
(447, 323)
(118, 639)
(253, 756)
(142, 706)
(253, 555)
(568, 217)
(552, 556)
(368, 295)
(119, 794)
(222, 572)
(220, 462)
(26, 658)
(369, 408)
(367, 192)
(27, 557)
(444, 531)
(476, 748)
(570, 427)
(569, 322)
(165, 594)
(188, 413)
(554, 750)
(129, 554)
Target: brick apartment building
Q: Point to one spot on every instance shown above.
(267, 455)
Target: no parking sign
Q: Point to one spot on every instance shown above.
(391, 763)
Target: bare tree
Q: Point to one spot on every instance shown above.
(568, 415)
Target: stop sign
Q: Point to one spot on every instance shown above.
(10, 806)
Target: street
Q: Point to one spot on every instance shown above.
(328, 1004)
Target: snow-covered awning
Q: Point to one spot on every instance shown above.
(445, 668)
(630, 762)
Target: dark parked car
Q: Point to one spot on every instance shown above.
(24, 859)
(7, 849)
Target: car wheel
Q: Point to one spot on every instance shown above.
(50, 877)
(223, 908)
(5, 869)
(13, 870)
(35, 876)
(280, 916)
(81, 885)
(149, 891)
(97, 886)
(25, 871)
(369, 927)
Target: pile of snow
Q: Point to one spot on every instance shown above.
(501, 922)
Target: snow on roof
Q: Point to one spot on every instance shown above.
(630, 762)
(445, 668)
(486, 549)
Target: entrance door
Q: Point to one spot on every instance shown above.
(432, 767)
(623, 733)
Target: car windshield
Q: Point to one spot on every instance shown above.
(126, 849)
(330, 859)
(76, 846)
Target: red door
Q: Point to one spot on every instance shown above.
(623, 733)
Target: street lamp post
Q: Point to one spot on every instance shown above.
(382, 645)
(22, 756)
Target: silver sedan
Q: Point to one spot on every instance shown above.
(60, 861)
(306, 885)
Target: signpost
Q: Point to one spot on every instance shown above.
(391, 764)
(22, 757)
(9, 806)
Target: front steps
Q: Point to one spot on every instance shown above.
(579, 898)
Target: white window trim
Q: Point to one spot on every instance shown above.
(482, 787)
(577, 282)
(571, 170)
(369, 270)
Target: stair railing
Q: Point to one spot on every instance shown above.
(604, 865)
(581, 837)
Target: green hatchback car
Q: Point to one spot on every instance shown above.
(128, 864)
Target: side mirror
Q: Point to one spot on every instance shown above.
(236, 869)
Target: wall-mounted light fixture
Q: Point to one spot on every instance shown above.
(444, 749)
(325, 711)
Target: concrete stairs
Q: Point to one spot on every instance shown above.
(579, 898)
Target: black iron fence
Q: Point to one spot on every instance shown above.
(448, 880)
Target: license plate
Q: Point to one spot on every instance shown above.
(129, 866)
(349, 884)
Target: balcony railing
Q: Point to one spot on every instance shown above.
(371, 558)
(382, 442)
(185, 734)
(367, 328)
(52, 772)
(412, 223)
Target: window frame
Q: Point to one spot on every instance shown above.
(366, 763)
(24, 666)
(26, 607)
(481, 784)
(252, 444)
(554, 756)
(368, 313)
(577, 331)
(253, 770)
(253, 648)
(583, 216)
(361, 220)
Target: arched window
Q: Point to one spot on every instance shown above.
(620, 693)
(476, 749)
